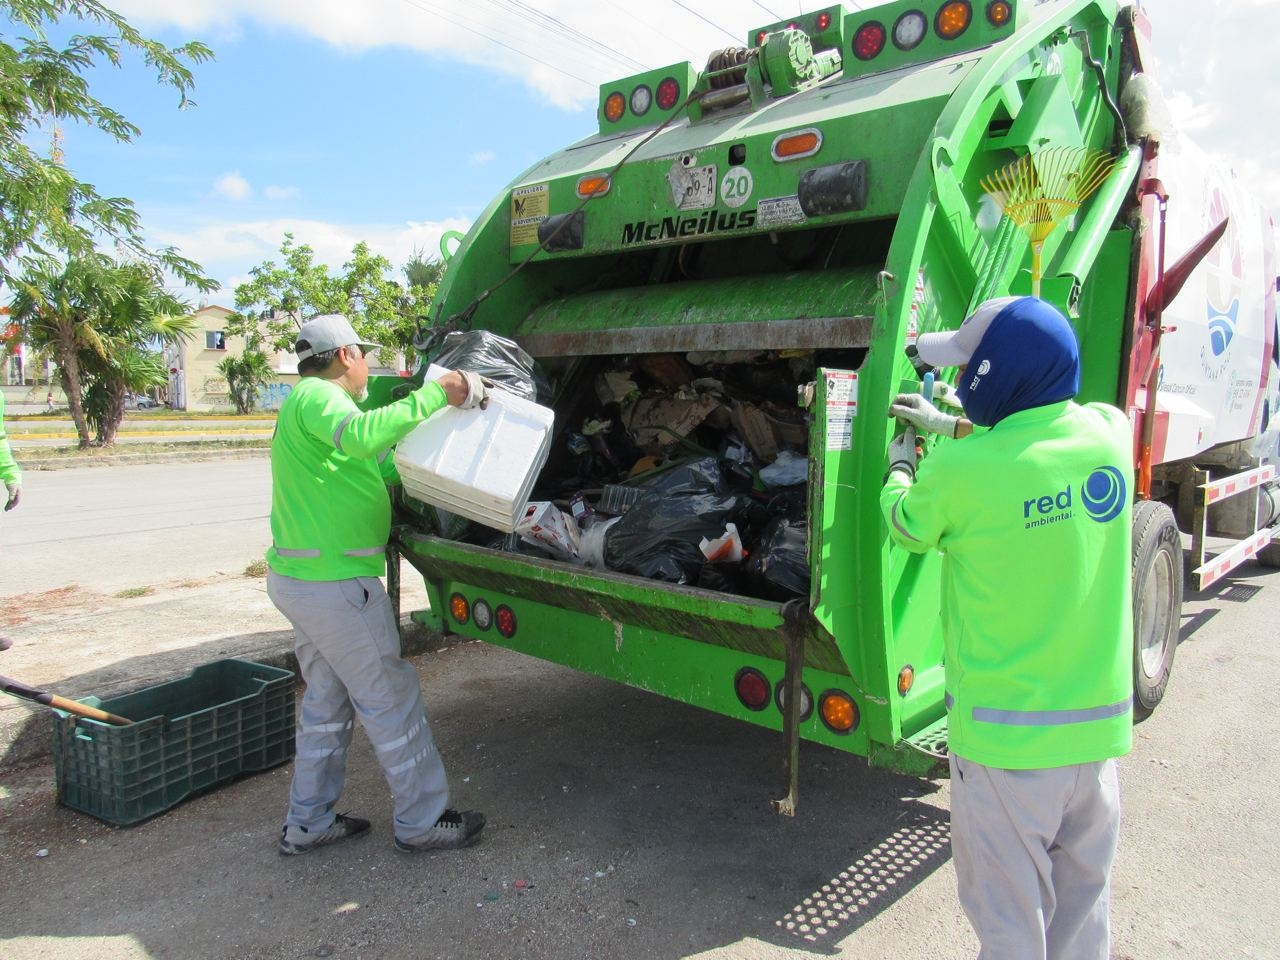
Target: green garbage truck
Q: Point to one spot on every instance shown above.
(727, 275)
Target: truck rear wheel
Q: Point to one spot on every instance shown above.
(1157, 602)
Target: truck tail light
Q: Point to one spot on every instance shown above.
(505, 618)
(806, 700)
(641, 100)
(668, 93)
(824, 20)
(953, 19)
(752, 688)
(482, 613)
(838, 711)
(998, 13)
(869, 40)
(909, 30)
(459, 607)
(615, 105)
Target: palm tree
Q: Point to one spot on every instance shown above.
(245, 374)
(100, 320)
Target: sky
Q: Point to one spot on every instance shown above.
(394, 121)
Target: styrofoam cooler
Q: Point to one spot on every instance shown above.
(481, 464)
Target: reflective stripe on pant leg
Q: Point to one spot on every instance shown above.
(1002, 825)
(1082, 858)
(324, 720)
(353, 624)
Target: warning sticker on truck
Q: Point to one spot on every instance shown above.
(779, 211)
(842, 407)
(529, 207)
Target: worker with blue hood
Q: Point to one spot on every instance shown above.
(1031, 512)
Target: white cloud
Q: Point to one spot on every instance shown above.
(482, 157)
(274, 192)
(224, 248)
(233, 187)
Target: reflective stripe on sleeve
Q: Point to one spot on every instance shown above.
(894, 515)
(337, 434)
(1051, 718)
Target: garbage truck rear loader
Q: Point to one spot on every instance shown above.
(731, 270)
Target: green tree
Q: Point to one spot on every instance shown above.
(245, 374)
(102, 323)
(279, 296)
(45, 211)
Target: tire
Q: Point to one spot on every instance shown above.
(1157, 603)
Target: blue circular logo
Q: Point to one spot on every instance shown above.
(1104, 494)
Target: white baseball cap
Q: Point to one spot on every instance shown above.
(953, 348)
(329, 331)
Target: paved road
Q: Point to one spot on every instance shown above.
(625, 826)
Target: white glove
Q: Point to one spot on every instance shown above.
(477, 393)
(923, 415)
(945, 393)
(902, 453)
(15, 494)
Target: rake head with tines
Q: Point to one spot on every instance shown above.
(1039, 191)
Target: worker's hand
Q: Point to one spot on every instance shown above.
(15, 494)
(923, 415)
(902, 453)
(454, 384)
(477, 392)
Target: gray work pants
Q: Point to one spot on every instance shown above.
(348, 648)
(1033, 852)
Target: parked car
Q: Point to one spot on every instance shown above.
(138, 401)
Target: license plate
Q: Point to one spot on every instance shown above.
(693, 188)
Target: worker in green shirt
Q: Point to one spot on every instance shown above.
(330, 522)
(1032, 515)
(12, 477)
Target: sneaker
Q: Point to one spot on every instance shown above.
(295, 840)
(452, 831)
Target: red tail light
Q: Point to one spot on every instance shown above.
(869, 40)
(505, 618)
(824, 21)
(668, 93)
(752, 688)
(760, 37)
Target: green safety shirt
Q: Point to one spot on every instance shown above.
(1033, 519)
(330, 467)
(9, 472)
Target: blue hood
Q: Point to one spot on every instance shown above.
(1027, 358)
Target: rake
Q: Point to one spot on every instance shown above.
(1037, 192)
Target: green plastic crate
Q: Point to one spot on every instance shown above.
(225, 719)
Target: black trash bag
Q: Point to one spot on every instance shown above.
(659, 536)
(496, 358)
(778, 567)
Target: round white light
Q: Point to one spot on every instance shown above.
(641, 100)
(482, 614)
(910, 30)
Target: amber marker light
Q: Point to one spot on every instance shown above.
(906, 677)
(459, 607)
(596, 185)
(794, 146)
(838, 711)
(953, 19)
(998, 13)
(615, 105)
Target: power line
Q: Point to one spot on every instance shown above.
(733, 36)
(766, 9)
(672, 41)
(565, 30)
(436, 13)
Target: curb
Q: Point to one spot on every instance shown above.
(30, 739)
(116, 459)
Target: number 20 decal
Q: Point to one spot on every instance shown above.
(736, 187)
